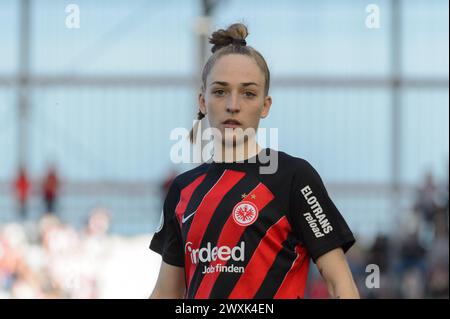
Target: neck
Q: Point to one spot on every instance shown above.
(224, 152)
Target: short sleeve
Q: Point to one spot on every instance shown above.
(167, 240)
(316, 220)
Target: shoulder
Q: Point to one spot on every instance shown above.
(291, 171)
(187, 177)
(182, 180)
(286, 165)
(299, 170)
(296, 165)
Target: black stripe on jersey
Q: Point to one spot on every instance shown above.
(252, 237)
(212, 233)
(280, 267)
(188, 177)
(210, 180)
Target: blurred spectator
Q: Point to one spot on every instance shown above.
(316, 287)
(50, 190)
(412, 285)
(437, 281)
(412, 255)
(22, 189)
(438, 258)
(98, 222)
(379, 253)
(357, 260)
(165, 185)
(427, 198)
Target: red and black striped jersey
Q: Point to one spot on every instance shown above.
(240, 233)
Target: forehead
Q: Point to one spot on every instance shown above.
(235, 69)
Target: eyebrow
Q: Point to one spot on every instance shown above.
(227, 84)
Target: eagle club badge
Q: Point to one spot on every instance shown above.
(245, 213)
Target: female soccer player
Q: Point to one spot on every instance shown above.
(230, 231)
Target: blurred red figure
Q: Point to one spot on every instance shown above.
(22, 190)
(165, 185)
(50, 189)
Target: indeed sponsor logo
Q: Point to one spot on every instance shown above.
(318, 222)
(208, 253)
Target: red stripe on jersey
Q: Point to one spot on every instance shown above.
(294, 283)
(230, 235)
(185, 197)
(261, 261)
(204, 213)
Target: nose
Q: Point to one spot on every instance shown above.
(233, 103)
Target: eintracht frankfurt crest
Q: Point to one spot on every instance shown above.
(245, 213)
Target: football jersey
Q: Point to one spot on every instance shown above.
(239, 233)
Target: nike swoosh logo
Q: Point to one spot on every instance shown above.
(184, 219)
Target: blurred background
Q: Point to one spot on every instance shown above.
(90, 91)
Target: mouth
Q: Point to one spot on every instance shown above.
(231, 123)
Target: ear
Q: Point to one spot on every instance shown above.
(266, 106)
(201, 102)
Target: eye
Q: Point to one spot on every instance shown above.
(249, 94)
(219, 92)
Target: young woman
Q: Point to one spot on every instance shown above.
(230, 231)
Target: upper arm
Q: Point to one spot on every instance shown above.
(335, 271)
(333, 265)
(170, 283)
